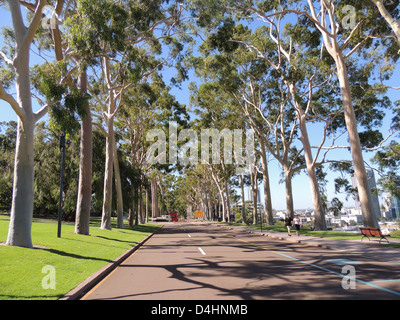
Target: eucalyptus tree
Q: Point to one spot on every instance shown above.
(136, 117)
(274, 53)
(361, 30)
(218, 120)
(54, 36)
(19, 233)
(342, 40)
(257, 92)
(122, 37)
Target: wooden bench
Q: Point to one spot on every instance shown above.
(373, 232)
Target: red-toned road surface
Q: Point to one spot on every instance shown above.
(210, 262)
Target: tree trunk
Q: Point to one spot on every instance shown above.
(140, 206)
(289, 194)
(253, 177)
(221, 194)
(133, 205)
(19, 230)
(228, 205)
(108, 176)
(137, 206)
(83, 206)
(147, 204)
(335, 50)
(118, 188)
(154, 198)
(243, 199)
(319, 222)
(223, 204)
(364, 192)
(267, 190)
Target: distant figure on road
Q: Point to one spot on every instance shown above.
(288, 224)
(296, 222)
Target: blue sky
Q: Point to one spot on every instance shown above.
(301, 186)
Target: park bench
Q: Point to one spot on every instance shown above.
(373, 232)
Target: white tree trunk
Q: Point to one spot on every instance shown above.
(83, 206)
(243, 199)
(319, 222)
(228, 205)
(334, 49)
(364, 192)
(267, 190)
(154, 198)
(253, 178)
(108, 178)
(289, 194)
(147, 203)
(19, 232)
(118, 188)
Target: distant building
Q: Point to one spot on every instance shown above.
(391, 207)
(372, 186)
(395, 207)
(250, 194)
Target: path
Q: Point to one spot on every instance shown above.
(211, 262)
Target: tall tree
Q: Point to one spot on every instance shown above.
(19, 233)
(341, 45)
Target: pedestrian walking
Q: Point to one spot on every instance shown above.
(288, 224)
(297, 225)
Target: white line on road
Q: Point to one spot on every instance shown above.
(202, 252)
(189, 236)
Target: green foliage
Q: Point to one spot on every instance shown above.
(388, 161)
(6, 77)
(67, 105)
(95, 24)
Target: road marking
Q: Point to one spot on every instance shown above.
(321, 268)
(340, 274)
(202, 252)
(389, 280)
(189, 236)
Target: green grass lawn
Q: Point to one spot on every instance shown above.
(74, 257)
(306, 231)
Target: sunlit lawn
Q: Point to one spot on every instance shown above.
(306, 231)
(74, 257)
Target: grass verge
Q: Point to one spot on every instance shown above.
(74, 257)
(306, 231)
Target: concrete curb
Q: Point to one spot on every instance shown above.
(85, 286)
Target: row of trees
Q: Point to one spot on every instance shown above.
(282, 67)
(108, 59)
(275, 67)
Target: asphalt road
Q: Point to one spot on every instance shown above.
(209, 262)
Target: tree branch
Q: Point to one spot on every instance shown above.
(39, 114)
(389, 19)
(6, 59)
(35, 22)
(14, 104)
